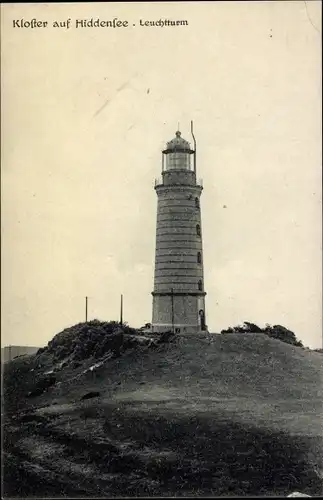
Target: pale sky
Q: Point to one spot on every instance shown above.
(85, 114)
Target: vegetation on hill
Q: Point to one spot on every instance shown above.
(195, 415)
(276, 332)
(85, 339)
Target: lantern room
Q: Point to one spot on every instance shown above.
(177, 155)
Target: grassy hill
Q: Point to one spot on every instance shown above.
(234, 414)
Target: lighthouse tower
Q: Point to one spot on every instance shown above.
(179, 296)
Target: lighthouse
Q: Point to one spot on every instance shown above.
(179, 295)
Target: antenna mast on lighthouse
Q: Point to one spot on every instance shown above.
(194, 146)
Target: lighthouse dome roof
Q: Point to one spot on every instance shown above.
(178, 143)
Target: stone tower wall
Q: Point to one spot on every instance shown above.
(179, 254)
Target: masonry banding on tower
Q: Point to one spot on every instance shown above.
(179, 296)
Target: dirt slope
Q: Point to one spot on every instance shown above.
(203, 415)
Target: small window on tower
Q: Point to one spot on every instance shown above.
(200, 285)
(199, 257)
(197, 203)
(198, 230)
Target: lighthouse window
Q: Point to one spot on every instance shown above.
(200, 285)
(197, 203)
(199, 257)
(198, 230)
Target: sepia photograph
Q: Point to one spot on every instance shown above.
(161, 249)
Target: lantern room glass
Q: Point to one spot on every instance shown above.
(178, 161)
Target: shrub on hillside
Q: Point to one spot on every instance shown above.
(276, 331)
(281, 333)
(93, 338)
